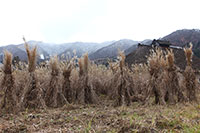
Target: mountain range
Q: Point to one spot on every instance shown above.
(184, 37)
(180, 38)
(103, 50)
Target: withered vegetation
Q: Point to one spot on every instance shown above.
(67, 82)
(32, 94)
(8, 101)
(84, 93)
(73, 86)
(189, 76)
(123, 84)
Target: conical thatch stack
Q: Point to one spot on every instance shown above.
(66, 88)
(157, 83)
(189, 76)
(8, 102)
(32, 97)
(123, 84)
(84, 93)
(174, 92)
(54, 96)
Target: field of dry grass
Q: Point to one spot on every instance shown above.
(102, 118)
(77, 95)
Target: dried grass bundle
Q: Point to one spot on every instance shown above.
(84, 91)
(190, 83)
(124, 80)
(8, 102)
(157, 83)
(140, 75)
(156, 62)
(174, 92)
(98, 77)
(66, 88)
(189, 76)
(54, 90)
(32, 96)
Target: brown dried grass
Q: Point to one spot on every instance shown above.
(189, 76)
(32, 57)
(54, 89)
(174, 91)
(188, 54)
(85, 93)
(32, 94)
(123, 84)
(157, 65)
(8, 102)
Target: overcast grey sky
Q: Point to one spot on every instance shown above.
(59, 21)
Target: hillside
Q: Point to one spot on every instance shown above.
(134, 47)
(45, 50)
(102, 51)
(82, 48)
(184, 37)
(111, 51)
(42, 54)
(14, 50)
(142, 52)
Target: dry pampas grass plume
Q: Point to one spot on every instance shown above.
(7, 62)
(122, 60)
(32, 56)
(188, 54)
(189, 76)
(170, 58)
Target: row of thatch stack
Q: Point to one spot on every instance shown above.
(35, 97)
(164, 80)
(123, 84)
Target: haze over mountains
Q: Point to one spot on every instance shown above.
(103, 50)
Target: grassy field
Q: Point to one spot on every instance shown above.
(103, 118)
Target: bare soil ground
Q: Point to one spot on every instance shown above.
(105, 118)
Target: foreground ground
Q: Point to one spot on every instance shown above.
(105, 118)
